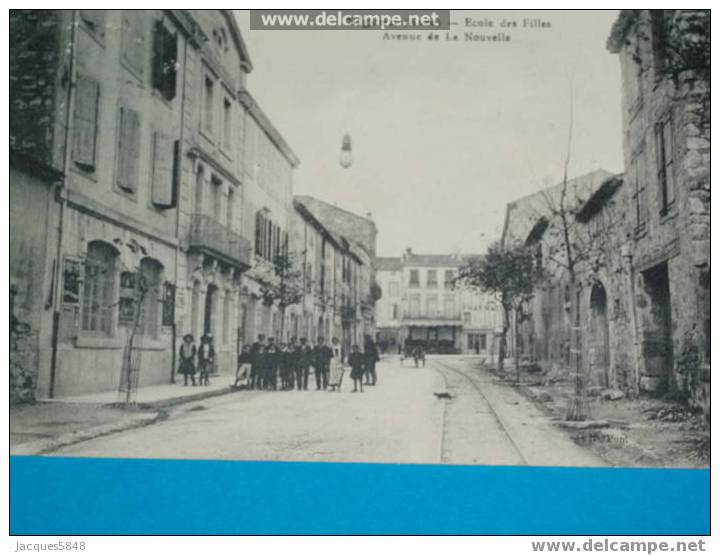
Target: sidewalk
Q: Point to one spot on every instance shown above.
(49, 424)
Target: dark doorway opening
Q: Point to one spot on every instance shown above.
(657, 330)
(599, 337)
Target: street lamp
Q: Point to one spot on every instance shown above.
(346, 157)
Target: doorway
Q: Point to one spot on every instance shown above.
(657, 329)
(210, 301)
(599, 337)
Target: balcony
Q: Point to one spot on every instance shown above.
(209, 236)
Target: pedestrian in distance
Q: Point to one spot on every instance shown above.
(244, 368)
(256, 364)
(285, 366)
(337, 369)
(303, 356)
(322, 354)
(206, 358)
(357, 368)
(188, 350)
(372, 356)
(270, 365)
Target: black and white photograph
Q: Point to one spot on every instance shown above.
(433, 237)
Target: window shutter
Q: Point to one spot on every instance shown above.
(158, 54)
(162, 182)
(128, 149)
(85, 122)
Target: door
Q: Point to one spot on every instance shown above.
(599, 337)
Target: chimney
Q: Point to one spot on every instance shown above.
(408, 251)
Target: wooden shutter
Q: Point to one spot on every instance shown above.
(162, 180)
(85, 122)
(128, 149)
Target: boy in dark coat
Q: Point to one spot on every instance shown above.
(357, 364)
(206, 359)
(321, 361)
(256, 371)
(303, 355)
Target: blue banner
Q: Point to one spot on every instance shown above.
(53, 495)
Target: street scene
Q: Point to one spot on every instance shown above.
(479, 239)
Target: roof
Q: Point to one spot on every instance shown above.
(599, 198)
(532, 207)
(340, 242)
(388, 263)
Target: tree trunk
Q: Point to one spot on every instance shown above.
(502, 351)
(517, 351)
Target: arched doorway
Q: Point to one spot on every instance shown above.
(599, 337)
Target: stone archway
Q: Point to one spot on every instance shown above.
(599, 337)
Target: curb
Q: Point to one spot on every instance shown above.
(44, 446)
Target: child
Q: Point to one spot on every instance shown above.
(187, 358)
(356, 361)
(206, 358)
(244, 365)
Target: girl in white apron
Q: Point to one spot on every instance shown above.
(336, 366)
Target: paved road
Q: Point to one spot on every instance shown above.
(398, 421)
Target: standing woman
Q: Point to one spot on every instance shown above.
(187, 358)
(336, 366)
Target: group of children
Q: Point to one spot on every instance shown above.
(197, 359)
(266, 365)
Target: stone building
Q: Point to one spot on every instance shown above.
(358, 237)
(420, 305)
(145, 121)
(336, 280)
(641, 313)
(665, 62)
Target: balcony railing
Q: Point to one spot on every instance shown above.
(439, 316)
(210, 236)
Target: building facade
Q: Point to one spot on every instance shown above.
(421, 306)
(161, 162)
(641, 314)
(335, 274)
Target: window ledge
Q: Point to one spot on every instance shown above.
(641, 231)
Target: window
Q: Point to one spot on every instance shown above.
(414, 278)
(133, 39)
(483, 341)
(414, 306)
(216, 188)
(151, 282)
(467, 318)
(394, 289)
(395, 311)
(665, 166)
(659, 42)
(230, 207)
(128, 149)
(227, 124)
(209, 104)
(432, 278)
(99, 289)
(450, 307)
(165, 172)
(638, 176)
(449, 277)
(432, 305)
(85, 120)
(164, 62)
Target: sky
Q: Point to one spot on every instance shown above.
(444, 133)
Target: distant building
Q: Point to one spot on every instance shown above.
(356, 237)
(420, 306)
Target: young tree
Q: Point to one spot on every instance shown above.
(508, 273)
(282, 286)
